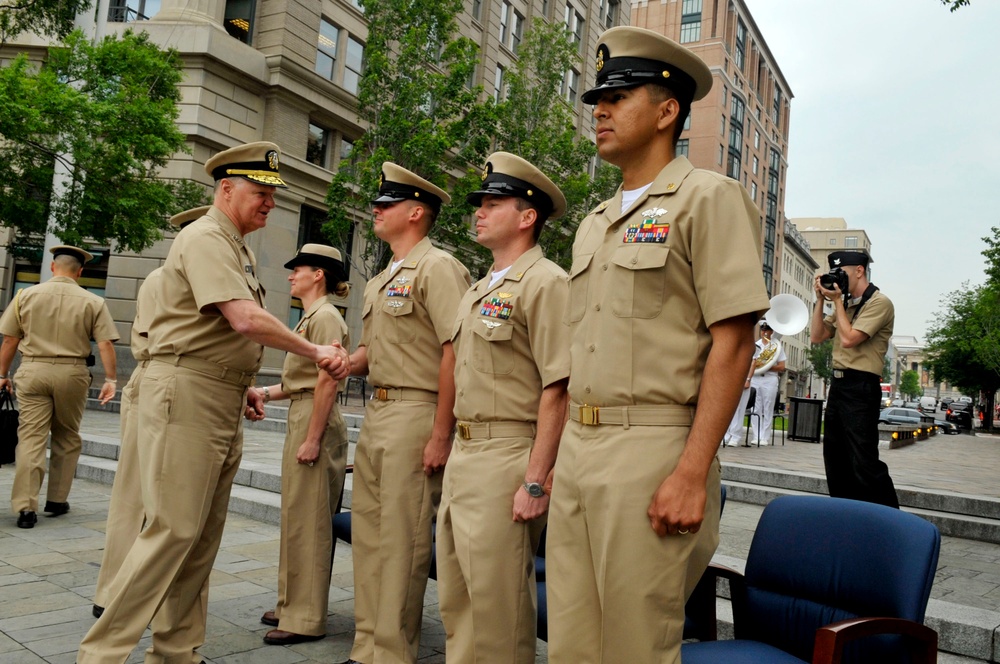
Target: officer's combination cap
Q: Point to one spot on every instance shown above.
(76, 252)
(257, 162)
(397, 184)
(506, 174)
(845, 258)
(628, 57)
(182, 219)
(322, 256)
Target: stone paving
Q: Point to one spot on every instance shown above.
(47, 574)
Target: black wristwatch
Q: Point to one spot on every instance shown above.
(534, 489)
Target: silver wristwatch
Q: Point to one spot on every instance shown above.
(534, 489)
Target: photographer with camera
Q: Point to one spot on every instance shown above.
(860, 325)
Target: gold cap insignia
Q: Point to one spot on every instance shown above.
(486, 171)
(531, 193)
(600, 59)
(272, 159)
(666, 74)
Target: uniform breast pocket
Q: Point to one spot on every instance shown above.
(492, 351)
(402, 327)
(638, 281)
(579, 282)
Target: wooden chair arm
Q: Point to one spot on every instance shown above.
(921, 640)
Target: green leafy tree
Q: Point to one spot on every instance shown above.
(51, 18)
(107, 113)
(535, 122)
(421, 113)
(886, 370)
(963, 343)
(909, 384)
(821, 358)
(955, 5)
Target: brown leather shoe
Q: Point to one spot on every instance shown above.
(269, 618)
(277, 637)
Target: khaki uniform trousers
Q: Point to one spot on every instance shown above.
(392, 512)
(126, 515)
(485, 559)
(309, 496)
(616, 591)
(51, 397)
(190, 445)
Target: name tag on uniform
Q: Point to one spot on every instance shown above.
(398, 291)
(248, 269)
(496, 307)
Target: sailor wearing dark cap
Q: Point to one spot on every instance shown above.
(406, 352)
(665, 288)
(206, 334)
(512, 364)
(860, 325)
(52, 325)
(314, 460)
(125, 514)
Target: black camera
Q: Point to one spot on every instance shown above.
(835, 277)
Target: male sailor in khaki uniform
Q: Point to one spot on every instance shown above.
(512, 365)
(665, 288)
(52, 324)
(405, 440)
(205, 346)
(125, 515)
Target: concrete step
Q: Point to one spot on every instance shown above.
(964, 516)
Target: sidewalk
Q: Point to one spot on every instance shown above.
(47, 574)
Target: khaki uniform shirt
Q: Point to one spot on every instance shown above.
(145, 304)
(510, 341)
(208, 263)
(646, 285)
(57, 319)
(320, 325)
(409, 314)
(876, 320)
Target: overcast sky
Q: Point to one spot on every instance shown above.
(895, 126)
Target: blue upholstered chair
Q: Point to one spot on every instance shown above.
(830, 580)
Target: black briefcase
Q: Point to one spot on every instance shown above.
(8, 427)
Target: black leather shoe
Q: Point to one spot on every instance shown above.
(55, 509)
(277, 637)
(269, 618)
(98, 611)
(26, 519)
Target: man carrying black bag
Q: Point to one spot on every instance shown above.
(8, 427)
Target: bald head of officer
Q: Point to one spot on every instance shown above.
(645, 86)
(514, 202)
(245, 181)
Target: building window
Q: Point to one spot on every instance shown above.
(756, 164)
(326, 54)
(477, 9)
(687, 122)
(776, 107)
(574, 23)
(311, 222)
(739, 57)
(691, 21)
(511, 26)
(753, 190)
(682, 148)
(346, 147)
(317, 148)
(756, 139)
(721, 152)
(851, 241)
(833, 242)
(722, 125)
(545, 8)
(570, 85)
(126, 11)
(238, 19)
(498, 84)
(608, 16)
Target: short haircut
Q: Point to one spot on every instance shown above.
(68, 262)
(522, 205)
(659, 94)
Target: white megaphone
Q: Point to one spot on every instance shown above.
(787, 315)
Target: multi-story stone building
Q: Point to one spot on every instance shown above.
(797, 270)
(741, 128)
(287, 71)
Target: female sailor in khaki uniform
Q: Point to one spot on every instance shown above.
(315, 454)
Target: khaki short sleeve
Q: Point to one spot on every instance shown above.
(547, 329)
(9, 325)
(214, 271)
(104, 326)
(875, 315)
(448, 280)
(327, 326)
(725, 254)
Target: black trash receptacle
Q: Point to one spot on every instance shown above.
(805, 420)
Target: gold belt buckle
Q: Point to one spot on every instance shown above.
(464, 431)
(381, 394)
(590, 415)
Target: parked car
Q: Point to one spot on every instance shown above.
(946, 401)
(908, 416)
(960, 412)
(965, 399)
(928, 405)
(914, 405)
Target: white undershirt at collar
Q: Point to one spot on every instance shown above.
(629, 197)
(497, 276)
